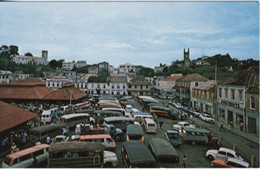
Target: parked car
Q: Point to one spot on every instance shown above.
(181, 124)
(206, 117)
(60, 138)
(110, 159)
(222, 152)
(229, 163)
(195, 113)
(173, 137)
(177, 105)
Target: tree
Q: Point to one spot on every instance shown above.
(146, 72)
(13, 50)
(28, 54)
(54, 63)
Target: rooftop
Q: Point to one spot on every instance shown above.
(31, 88)
(193, 77)
(248, 77)
(207, 85)
(64, 93)
(11, 116)
(172, 78)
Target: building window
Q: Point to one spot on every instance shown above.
(233, 94)
(112, 87)
(252, 102)
(129, 86)
(226, 93)
(146, 86)
(135, 86)
(220, 92)
(118, 87)
(240, 94)
(196, 83)
(141, 86)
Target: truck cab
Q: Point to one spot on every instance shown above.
(115, 133)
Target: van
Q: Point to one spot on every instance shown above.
(30, 157)
(164, 153)
(139, 117)
(40, 133)
(137, 155)
(105, 139)
(134, 132)
(149, 125)
(47, 115)
(119, 122)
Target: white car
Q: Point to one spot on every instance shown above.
(206, 118)
(194, 113)
(177, 105)
(222, 153)
(110, 159)
(181, 124)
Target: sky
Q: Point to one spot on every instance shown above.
(141, 33)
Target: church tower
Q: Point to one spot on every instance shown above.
(186, 57)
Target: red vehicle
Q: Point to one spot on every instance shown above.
(229, 163)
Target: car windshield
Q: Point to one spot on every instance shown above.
(172, 135)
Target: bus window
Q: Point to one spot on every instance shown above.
(26, 157)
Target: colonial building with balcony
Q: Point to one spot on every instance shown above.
(237, 99)
(184, 87)
(203, 95)
(139, 86)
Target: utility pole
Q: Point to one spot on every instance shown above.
(5, 71)
(215, 102)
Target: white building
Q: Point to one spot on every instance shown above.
(6, 76)
(21, 59)
(127, 68)
(168, 83)
(79, 64)
(68, 65)
(56, 82)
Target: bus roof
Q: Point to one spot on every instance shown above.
(141, 113)
(107, 112)
(95, 136)
(196, 130)
(118, 118)
(68, 116)
(160, 107)
(42, 129)
(148, 120)
(134, 130)
(138, 152)
(75, 147)
(28, 150)
(162, 147)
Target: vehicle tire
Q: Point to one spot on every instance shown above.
(117, 138)
(108, 165)
(210, 157)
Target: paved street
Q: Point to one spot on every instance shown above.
(196, 153)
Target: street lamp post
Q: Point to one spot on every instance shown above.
(71, 92)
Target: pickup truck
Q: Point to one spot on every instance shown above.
(115, 133)
(181, 124)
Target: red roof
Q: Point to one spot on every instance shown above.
(172, 78)
(64, 93)
(24, 90)
(11, 116)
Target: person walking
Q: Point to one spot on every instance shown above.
(221, 127)
(184, 161)
(241, 126)
(231, 124)
(13, 148)
(161, 123)
(48, 140)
